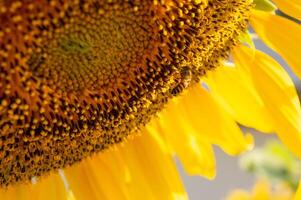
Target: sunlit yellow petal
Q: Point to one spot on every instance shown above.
(298, 192)
(265, 5)
(71, 196)
(209, 119)
(279, 95)
(96, 178)
(140, 162)
(81, 183)
(23, 192)
(237, 94)
(239, 195)
(261, 191)
(246, 38)
(285, 40)
(156, 166)
(49, 188)
(290, 7)
(195, 153)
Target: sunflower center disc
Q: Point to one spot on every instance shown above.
(79, 76)
(93, 49)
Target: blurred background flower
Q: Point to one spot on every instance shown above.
(277, 172)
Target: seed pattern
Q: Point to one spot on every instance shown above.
(79, 76)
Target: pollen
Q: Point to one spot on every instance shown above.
(77, 77)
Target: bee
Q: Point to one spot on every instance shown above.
(183, 81)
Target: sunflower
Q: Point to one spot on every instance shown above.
(96, 97)
(277, 171)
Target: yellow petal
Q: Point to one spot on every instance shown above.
(236, 93)
(71, 196)
(279, 95)
(280, 34)
(79, 182)
(17, 192)
(94, 178)
(261, 191)
(264, 5)
(246, 38)
(298, 193)
(138, 169)
(49, 188)
(239, 195)
(290, 7)
(195, 153)
(156, 166)
(210, 121)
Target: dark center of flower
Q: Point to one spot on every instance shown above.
(79, 76)
(96, 48)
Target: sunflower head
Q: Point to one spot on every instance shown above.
(79, 76)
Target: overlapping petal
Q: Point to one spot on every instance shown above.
(298, 192)
(116, 174)
(195, 152)
(269, 28)
(291, 7)
(278, 92)
(235, 91)
(49, 188)
(200, 110)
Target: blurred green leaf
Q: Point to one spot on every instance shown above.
(275, 162)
